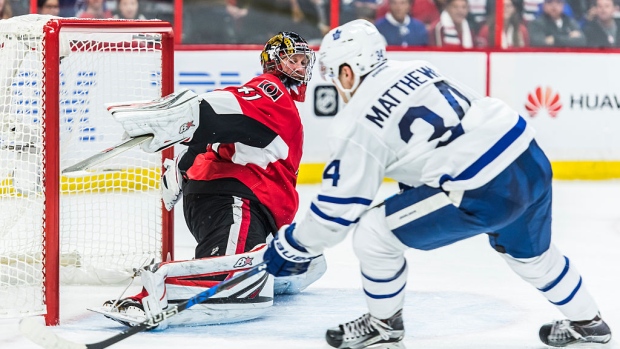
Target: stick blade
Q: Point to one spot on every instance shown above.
(106, 154)
(36, 332)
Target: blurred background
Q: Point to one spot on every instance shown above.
(457, 24)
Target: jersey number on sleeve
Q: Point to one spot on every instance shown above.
(332, 171)
(433, 119)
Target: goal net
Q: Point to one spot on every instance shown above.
(93, 228)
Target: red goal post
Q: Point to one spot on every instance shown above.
(56, 75)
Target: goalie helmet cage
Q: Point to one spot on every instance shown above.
(56, 75)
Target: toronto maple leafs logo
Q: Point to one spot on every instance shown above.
(336, 34)
(543, 98)
(243, 261)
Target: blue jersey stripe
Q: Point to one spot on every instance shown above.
(570, 296)
(383, 296)
(400, 272)
(559, 278)
(496, 150)
(338, 220)
(344, 201)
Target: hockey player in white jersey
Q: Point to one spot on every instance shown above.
(467, 165)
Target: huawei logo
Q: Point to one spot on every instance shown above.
(543, 98)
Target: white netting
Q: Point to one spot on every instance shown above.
(111, 219)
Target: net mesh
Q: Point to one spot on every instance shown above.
(110, 217)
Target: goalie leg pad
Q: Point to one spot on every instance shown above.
(174, 282)
(171, 119)
(245, 301)
(156, 299)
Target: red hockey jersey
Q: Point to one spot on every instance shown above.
(252, 133)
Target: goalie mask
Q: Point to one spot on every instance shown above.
(288, 56)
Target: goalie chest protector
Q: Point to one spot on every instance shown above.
(269, 172)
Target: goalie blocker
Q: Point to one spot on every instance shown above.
(169, 283)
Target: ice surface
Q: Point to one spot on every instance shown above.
(460, 296)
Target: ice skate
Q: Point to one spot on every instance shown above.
(368, 332)
(561, 333)
(128, 311)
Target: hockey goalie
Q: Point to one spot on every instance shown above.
(237, 179)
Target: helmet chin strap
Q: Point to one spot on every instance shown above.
(348, 92)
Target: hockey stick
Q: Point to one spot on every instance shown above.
(107, 154)
(45, 337)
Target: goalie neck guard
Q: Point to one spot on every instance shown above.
(288, 56)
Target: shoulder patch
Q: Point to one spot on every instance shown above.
(271, 90)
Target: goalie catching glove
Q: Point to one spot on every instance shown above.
(284, 256)
(170, 119)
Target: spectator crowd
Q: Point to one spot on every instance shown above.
(405, 23)
(123, 9)
(412, 23)
(472, 23)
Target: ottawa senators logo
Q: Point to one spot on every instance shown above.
(271, 90)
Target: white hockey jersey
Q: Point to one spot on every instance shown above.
(410, 123)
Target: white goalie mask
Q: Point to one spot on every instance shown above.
(358, 44)
(276, 58)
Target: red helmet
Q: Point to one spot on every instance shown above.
(279, 51)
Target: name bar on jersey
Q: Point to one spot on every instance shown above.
(382, 109)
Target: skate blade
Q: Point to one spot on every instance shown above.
(397, 345)
(118, 317)
(601, 343)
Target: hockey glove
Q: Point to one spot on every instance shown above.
(171, 181)
(171, 119)
(284, 256)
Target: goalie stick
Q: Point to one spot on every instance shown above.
(45, 337)
(107, 154)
